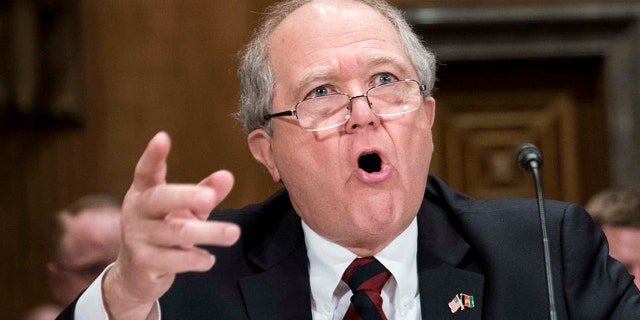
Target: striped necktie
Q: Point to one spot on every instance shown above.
(366, 277)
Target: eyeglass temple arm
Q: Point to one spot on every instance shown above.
(280, 114)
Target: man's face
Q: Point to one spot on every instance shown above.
(334, 46)
(624, 246)
(90, 243)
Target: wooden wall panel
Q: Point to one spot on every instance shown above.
(486, 109)
(148, 66)
(479, 133)
(172, 66)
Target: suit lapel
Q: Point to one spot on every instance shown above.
(442, 268)
(282, 290)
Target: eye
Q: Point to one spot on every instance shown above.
(319, 91)
(384, 78)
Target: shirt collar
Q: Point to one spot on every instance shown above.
(328, 260)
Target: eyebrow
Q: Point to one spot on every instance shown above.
(403, 64)
(315, 75)
(325, 72)
(394, 60)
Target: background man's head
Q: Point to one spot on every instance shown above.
(86, 239)
(617, 211)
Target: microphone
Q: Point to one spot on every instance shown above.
(529, 159)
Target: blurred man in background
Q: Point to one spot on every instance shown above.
(618, 213)
(86, 238)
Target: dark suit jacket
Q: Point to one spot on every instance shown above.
(490, 249)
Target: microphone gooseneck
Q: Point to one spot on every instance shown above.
(529, 159)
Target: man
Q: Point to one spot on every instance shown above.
(336, 101)
(617, 211)
(86, 238)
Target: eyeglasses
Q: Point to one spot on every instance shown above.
(385, 100)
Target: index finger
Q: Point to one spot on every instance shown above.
(151, 169)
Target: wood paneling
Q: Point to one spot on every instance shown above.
(147, 66)
(480, 132)
(486, 109)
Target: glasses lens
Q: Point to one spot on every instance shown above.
(323, 112)
(395, 98)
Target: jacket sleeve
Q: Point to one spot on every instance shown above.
(595, 286)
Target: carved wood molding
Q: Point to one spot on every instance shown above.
(609, 31)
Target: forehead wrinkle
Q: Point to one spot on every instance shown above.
(320, 74)
(325, 72)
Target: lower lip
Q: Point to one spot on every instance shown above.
(378, 176)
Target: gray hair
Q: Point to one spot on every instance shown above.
(256, 79)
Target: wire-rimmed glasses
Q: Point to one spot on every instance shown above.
(385, 100)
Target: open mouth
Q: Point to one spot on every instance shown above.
(370, 162)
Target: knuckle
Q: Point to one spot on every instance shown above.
(178, 232)
(151, 196)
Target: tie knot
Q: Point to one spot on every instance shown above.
(366, 274)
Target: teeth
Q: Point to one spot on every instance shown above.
(370, 162)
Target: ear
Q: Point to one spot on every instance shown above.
(429, 107)
(260, 146)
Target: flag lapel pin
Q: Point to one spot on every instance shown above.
(467, 301)
(461, 301)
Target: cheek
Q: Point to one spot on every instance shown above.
(415, 148)
(413, 140)
(302, 156)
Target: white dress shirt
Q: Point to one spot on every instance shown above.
(330, 296)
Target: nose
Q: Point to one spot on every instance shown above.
(361, 115)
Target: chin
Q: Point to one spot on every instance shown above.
(377, 222)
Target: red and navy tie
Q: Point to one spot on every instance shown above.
(366, 277)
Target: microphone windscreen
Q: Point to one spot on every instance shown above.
(527, 153)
